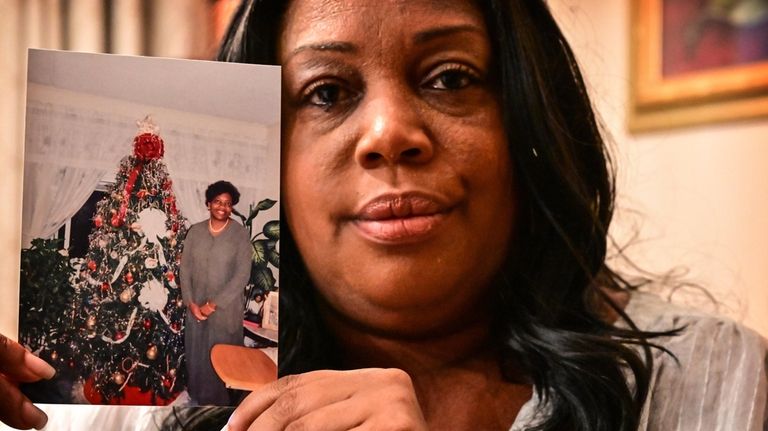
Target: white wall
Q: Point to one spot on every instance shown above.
(701, 192)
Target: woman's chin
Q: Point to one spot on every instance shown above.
(400, 297)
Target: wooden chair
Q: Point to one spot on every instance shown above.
(241, 367)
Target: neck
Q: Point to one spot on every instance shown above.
(451, 347)
(217, 225)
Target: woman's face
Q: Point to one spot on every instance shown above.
(220, 207)
(397, 178)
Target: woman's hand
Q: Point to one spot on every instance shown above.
(18, 365)
(366, 399)
(195, 310)
(208, 308)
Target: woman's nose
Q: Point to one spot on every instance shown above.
(393, 132)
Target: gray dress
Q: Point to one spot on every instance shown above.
(719, 384)
(214, 268)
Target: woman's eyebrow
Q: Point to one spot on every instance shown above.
(343, 47)
(435, 33)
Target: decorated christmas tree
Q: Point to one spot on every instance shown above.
(128, 311)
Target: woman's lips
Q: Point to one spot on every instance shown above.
(401, 218)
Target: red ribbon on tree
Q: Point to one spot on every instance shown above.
(119, 218)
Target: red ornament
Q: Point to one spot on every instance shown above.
(148, 146)
(119, 335)
(105, 287)
(167, 382)
(92, 265)
(71, 364)
(141, 193)
(175, 326)
(98, 221)
(128, 278)
(116, 222)
(147, 324)
(169, 275)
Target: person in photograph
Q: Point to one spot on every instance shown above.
(215, 268)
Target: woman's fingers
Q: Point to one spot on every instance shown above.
(207, 309)
(16, 410)
(332, 400)
(259, 400)
(18, 364)
(338, 416)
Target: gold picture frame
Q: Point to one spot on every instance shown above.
(693, 94)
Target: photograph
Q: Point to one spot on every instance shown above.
(150, 225)
(698, 62)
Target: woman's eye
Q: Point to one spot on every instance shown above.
(325, 94)
(451, 77)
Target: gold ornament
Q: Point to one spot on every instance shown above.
(54, 355)
(118, 378)
(152, 352)
(126, 295)
(91, 322)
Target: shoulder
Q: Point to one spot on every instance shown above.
(716, 372)
(238, 228)
(238, 232)
(197, 228)
(651, 313)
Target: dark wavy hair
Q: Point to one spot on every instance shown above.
(220, 187)
(551, 286)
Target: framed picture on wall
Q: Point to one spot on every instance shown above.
(697, 62)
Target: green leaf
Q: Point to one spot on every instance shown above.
(264, 279)
(259, 253)
(272, 229)
(240, 216)
(274, 258)
(266, 204)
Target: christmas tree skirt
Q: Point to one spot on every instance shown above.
(130, 396)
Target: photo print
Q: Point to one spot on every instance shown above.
(150, 228)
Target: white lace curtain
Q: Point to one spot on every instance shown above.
(66, 155)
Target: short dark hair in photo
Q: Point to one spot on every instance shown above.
(221, 187)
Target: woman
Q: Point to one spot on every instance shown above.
(215, 267)
(447, 196)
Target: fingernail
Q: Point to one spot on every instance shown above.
(33, 415)
(38, 366)
(226, 427)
